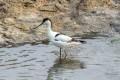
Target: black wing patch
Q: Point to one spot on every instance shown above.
(57, 34)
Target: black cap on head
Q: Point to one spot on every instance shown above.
(45, 19)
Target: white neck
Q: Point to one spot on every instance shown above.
(49, 30)
(49, 24)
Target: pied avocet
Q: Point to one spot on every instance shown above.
(59, 40)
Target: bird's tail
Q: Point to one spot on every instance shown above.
(84, 42)
(78, 40)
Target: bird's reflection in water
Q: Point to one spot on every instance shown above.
(58, 70)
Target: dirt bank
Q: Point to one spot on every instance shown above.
(70, 17)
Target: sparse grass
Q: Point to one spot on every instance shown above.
(69, 63)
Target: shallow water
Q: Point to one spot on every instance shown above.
(96, 60)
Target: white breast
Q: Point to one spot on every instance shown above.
(51, 35)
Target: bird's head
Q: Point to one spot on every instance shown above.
(46, 22)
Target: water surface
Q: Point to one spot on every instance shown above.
(97, 60)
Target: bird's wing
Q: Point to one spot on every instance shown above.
(63, 38)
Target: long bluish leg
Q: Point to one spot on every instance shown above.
(60, 54)
(65, 54)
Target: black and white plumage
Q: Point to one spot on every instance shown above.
(57, 39)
